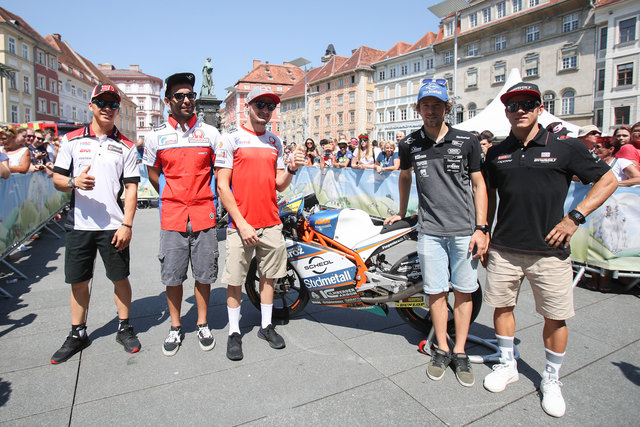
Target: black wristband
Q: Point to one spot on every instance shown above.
(577, 217)
(292, 172)
(483, 228)
(126, 225)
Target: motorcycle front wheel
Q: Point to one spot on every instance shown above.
(420, 318)
(290, 295)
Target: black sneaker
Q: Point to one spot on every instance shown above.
(128, 339)
(234, 347)
(173, 341)
(71, 346)
(207, 341)
(464, 373)
(438, 364)
(270, 335)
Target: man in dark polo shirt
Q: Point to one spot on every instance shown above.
(531, 171)
(452, 227)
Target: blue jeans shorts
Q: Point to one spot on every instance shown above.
(444, 260)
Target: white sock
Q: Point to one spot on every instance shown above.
(234, 319)
(266, 310)
(554, 362)
(506, 348)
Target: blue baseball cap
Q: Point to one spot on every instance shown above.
(434, 88)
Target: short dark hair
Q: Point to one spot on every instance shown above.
(486, 134)
(609, 142)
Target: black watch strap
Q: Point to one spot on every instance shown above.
(291, 171)
(577, 217)
(483, 228)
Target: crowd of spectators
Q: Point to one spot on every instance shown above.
(24, 149)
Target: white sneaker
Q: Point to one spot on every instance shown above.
(552, 400)
(502, 375)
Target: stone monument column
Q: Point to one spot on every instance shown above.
(208, 106)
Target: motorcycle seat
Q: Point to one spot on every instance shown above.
(405, 222)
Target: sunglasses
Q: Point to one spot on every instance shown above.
(261, 104)
(441, 82)
(29, 136)
(39, 139)
(179, 96)
(101, 103)
(527, 106)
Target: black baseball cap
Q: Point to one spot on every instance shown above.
(177, 78)
(521, 88)
(557, 128)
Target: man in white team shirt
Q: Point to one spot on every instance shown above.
(97, 163)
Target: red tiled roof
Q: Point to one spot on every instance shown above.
(286, 74)
(364, 56)
(124, 74)
(67, 57)
(328, 69)
(602, 3)
(21, 25)
(298, 88)
(425, 41)
(397, 49)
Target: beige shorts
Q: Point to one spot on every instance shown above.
(270, 251)
(551, 280)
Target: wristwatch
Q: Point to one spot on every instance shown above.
(291, 171)
(484, 228)
(70, 183)
(577, 217)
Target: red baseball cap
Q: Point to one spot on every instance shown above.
(105, 88)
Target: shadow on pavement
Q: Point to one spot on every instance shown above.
(631, 372)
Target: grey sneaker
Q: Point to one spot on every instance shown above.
(438, 364)
(173, 341)
(464, 373)
(234, 347)
(207, 341)
(270, 335)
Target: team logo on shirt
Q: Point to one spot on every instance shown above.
(198, 136)
(453, 150)
(272, 140)
(167, 140)
(415, 149)
(545, 160)
(114, 148)
(457, 143)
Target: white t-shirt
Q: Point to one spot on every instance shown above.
(16, 156)
(618, 166)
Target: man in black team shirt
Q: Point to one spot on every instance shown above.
(532, 170)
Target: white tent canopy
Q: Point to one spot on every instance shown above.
(494, 119)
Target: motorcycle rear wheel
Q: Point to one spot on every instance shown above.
(419, 318)
(285, 304)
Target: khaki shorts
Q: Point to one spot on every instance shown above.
(551, 280)
(270, 251)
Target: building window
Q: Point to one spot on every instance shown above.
(380, 116)
(472, 79)
(12, 81)
(54, 108)
(74, 113)
(42, 104)
(622, 115)
(353, 79)
(316, 121)
(11, 45)
(473, 20)
(369, 116)
(340, 97)
(328, 85)
(340, 121)
(404, 70)
(486, 15)
(472, 49)
(73, 90)
(502, 9)
(449, 79)
(26, 85)
(352, 97)
(141, 122)
(569, 60)
(42, 82)
(501, 42)
(448, 29)
(499, 73)
(429, 63)
(40, 57)
(416, 115)
(352, 116)
(327, 101)
(533, 3)
(472, 110)
(625, 74)
(392, 72)
(369, 96)
(392, 116)
(14, 114)
(317, 104)
(340, 82)
(382, 75)
(53, 86)
(52, 62)
(448, 57)
(601, 75)
(599, 118)
(27, 114)
(627, 30)
(549, 102)
(416, 67)
(570, 23)
(568, 102)
(533, 33)
(517, 5)
(25, 52)
(531, 66)
(403, 114)
(603, 38)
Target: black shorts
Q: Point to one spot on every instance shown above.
(80, 254)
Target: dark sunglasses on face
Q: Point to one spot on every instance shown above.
(261, 104)
(39, 139)
(527, 106)
(29, 136)
(441, 82)
(179, 96)
(101, 103)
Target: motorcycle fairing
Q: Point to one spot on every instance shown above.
(325, 222)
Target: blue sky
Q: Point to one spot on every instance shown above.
(163, 40)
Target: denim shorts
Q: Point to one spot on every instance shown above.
(444, 260)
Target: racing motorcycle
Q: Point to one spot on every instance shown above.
(338, 258)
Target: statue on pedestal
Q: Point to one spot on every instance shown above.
(207, 80)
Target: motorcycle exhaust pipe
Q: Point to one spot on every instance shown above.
(410, 291)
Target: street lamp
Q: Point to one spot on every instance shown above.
(442, 10)
(302, 62)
